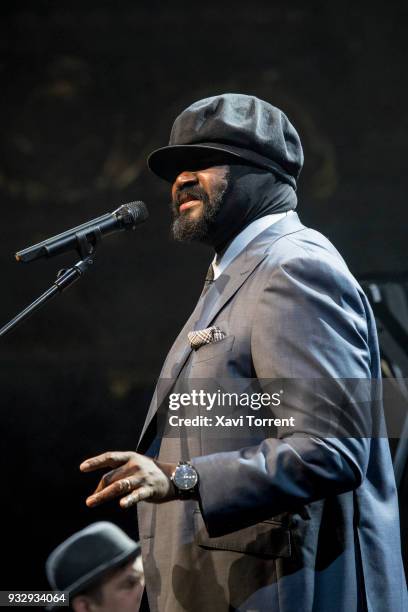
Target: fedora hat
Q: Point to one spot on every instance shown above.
(227, 128)
(83, 558)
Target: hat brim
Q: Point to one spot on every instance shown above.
(168, 162)
(97, 573)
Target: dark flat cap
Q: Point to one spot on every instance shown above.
(231, 126)
(83, 558)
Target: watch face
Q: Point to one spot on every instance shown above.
(185, 477)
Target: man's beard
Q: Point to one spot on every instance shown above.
(188, 229)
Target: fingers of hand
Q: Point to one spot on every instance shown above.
(110, 459)
(115, 475)
(116, 489)
(142, 493)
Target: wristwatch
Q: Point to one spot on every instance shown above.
(185, 479)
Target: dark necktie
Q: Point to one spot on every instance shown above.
(209, 279)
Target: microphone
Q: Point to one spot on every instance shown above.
(126, 217)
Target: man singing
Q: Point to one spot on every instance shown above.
(298, 521)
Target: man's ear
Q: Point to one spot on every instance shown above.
(81, 603)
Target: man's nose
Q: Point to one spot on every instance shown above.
(185, 178)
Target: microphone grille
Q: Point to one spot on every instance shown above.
(133, 213)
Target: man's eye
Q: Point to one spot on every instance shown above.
(130, 582)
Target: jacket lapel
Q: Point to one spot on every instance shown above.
(213, 300)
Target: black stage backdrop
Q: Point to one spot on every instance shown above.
(88, 89)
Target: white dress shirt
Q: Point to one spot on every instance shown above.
(241, 241)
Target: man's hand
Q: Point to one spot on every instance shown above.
(134, 478)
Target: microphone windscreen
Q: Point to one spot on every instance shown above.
(132, 213)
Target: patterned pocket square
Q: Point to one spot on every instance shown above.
(205, 336)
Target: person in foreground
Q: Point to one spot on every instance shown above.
(300, 520)
(100, 568)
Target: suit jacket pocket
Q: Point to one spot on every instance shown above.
(267, 539)
(208, 351)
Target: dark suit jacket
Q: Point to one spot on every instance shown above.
(299, 521)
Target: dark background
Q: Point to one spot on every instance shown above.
(87, 91)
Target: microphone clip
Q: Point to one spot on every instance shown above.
(85, 246)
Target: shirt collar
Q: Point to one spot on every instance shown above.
(241, 241)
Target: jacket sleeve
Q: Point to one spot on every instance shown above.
(309, 324)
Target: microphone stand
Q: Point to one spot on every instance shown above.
(65, 278)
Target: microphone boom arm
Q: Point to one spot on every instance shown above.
(65, 278)
(84, 239)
